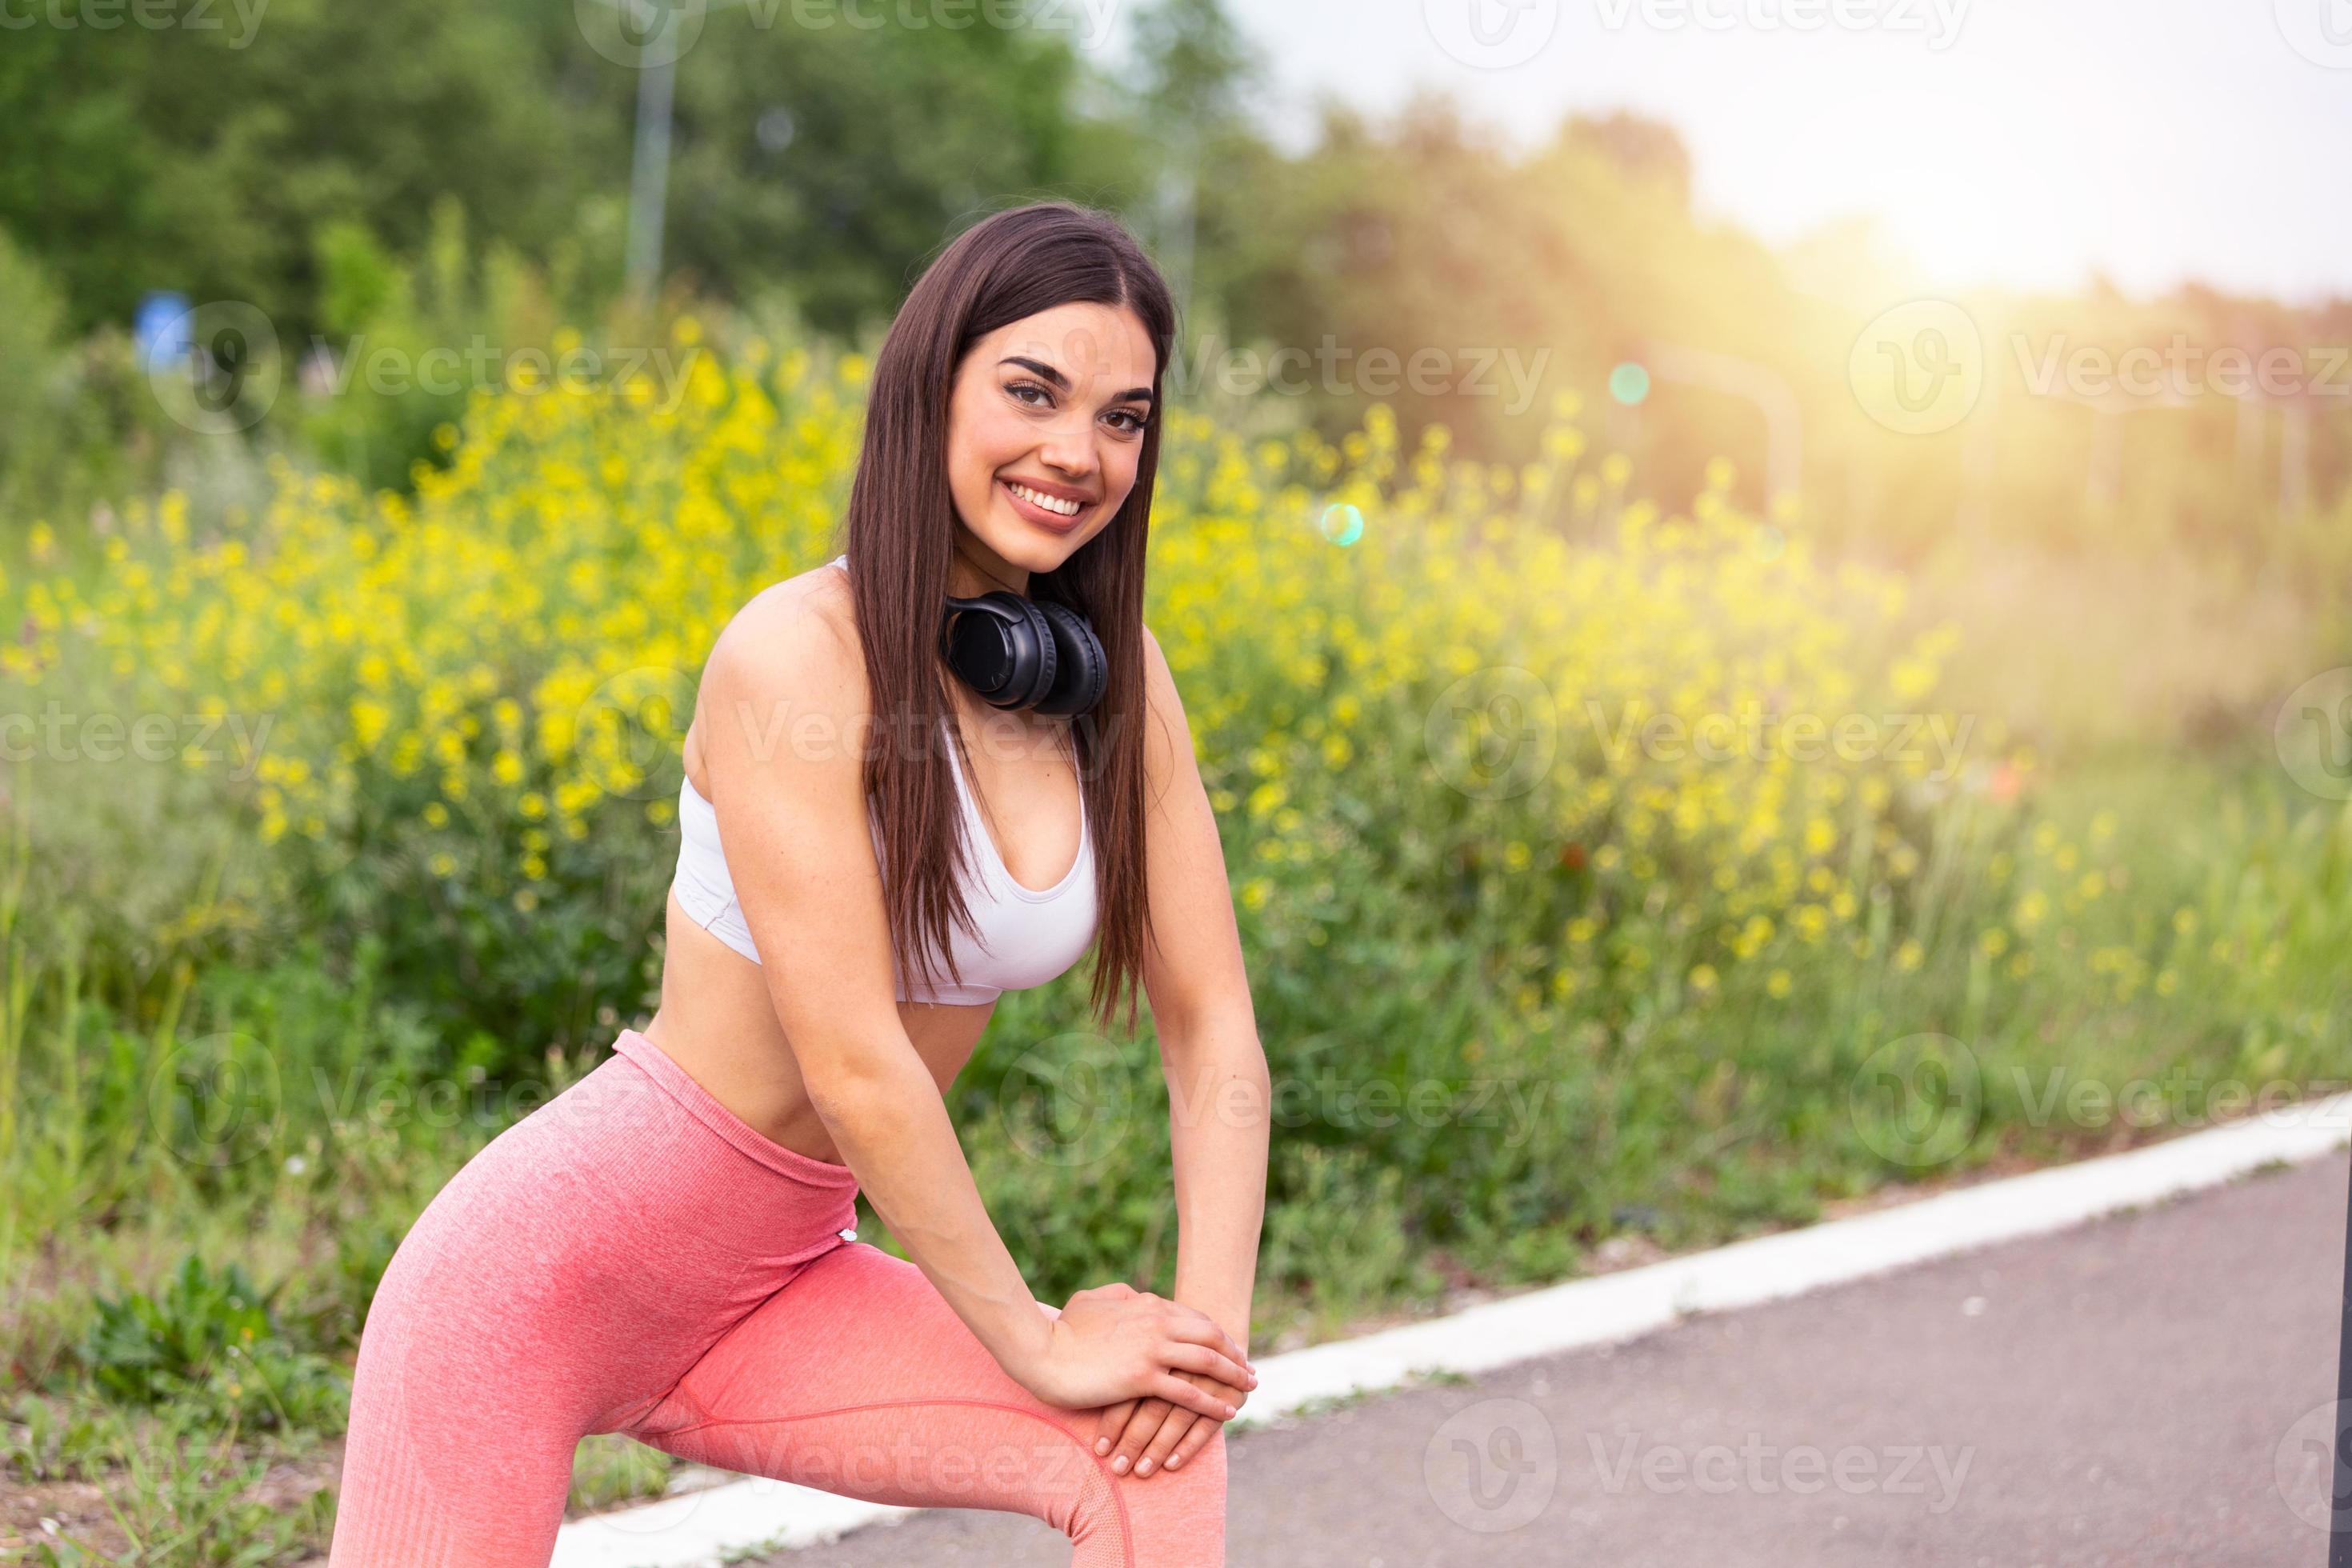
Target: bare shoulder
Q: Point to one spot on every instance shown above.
(1167, 736)
(792, 650)
(808, 615)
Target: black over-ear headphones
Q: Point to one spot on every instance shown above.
(1020, 653)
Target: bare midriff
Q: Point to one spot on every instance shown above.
(718, 1020)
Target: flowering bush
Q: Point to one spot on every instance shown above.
(1642, 832)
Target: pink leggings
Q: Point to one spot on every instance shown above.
(634, 1258)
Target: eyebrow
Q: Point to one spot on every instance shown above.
(1062, 382)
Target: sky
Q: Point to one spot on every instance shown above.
(2024, 143)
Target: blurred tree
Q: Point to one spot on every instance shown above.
(1527, 276)
(836, 161)
(202, 155)
(30, 358)
(1645, 151)
(1193, 70)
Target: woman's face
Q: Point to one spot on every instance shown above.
(1045, 429)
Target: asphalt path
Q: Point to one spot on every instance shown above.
(2153, 1388)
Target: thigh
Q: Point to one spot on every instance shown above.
(458, 1455)
(858, 1378)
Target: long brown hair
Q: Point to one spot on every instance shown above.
(899, 537)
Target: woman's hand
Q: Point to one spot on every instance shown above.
(1142, 1436)
(1114, 1343)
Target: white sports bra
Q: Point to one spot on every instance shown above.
(1028, 936)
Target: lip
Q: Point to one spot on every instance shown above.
(1052, 521)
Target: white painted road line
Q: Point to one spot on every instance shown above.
(693, 1530)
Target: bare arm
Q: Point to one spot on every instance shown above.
(786, 686)
(787, 689)
(1219, 1090)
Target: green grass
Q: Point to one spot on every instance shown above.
(202, 1201)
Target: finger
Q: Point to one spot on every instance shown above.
(1192, 1396)
(1184, 1356)
(1227, 1341)
(1190, 1323)
(1141, 1427)
(1111, 1424)
(1178, 1422)
(1197, 1438)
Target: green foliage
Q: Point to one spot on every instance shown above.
(609, 1469)
(182, 1492)
(141, 1348)
(31, 356)
(210, 1341)
(201, 155)
(407, 342)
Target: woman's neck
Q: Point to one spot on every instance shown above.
(974, 569)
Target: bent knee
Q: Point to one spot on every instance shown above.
(1168, 1516)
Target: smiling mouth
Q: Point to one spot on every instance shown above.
(1054, 506)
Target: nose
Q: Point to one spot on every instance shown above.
(1069, 447)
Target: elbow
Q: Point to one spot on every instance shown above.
(847, 1054)
(850, 1090)
(838, 1096)
(1226, 1029)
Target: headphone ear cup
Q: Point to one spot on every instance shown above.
(1086, 667)
(1003, 647)
(1046, 661)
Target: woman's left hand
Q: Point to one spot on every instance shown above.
(1153, 1435)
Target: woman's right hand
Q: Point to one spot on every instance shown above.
(1113, 1342)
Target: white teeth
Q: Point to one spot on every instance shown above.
(1051, 503)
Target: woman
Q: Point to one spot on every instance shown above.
(666, 1249)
